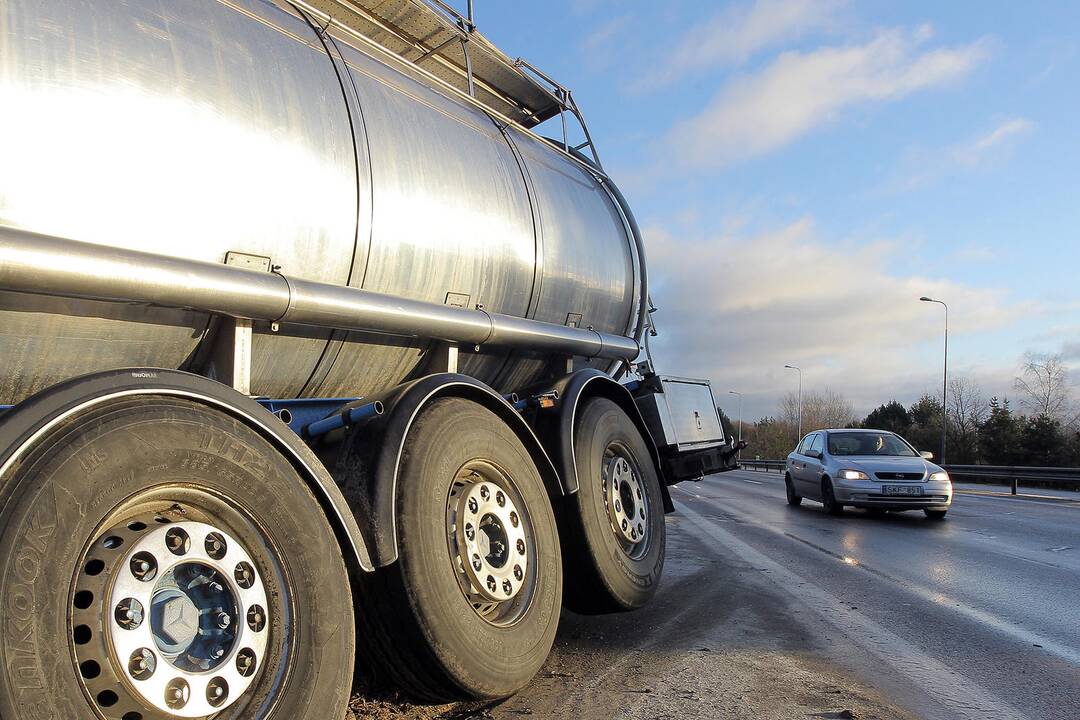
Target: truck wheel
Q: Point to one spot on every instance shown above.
(160, 559)
(613, 527)
(470, 608)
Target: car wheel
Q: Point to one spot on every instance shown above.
(828, 499)
(935, 514)
(793, 498)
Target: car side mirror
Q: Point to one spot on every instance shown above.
(926, 455)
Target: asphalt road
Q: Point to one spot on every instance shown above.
(771, 611)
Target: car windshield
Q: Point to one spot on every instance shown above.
(868, 443)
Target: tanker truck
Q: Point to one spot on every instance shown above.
(314, 352)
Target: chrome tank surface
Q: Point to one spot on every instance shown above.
(205, 127)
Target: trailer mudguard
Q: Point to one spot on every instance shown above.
(32, 418)
(365, 458)
(555, 427)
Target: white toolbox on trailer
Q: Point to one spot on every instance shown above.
(682, 413)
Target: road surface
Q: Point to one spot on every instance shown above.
(771, 611)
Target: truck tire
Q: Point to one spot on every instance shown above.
(160, 559)
(613, 528)
(470, 608)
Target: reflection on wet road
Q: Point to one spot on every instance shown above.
(976, 616)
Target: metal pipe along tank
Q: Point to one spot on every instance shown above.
(44, 265)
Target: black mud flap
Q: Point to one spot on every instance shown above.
(696, 464)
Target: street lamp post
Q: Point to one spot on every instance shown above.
(732, 392)
(799, 369)
(944, 377)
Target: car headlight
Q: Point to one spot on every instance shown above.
(940, 476)
(853, 475)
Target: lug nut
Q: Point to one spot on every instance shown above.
(245, 662)
(507, 587)
(217, 690)
(245, 575)
(177, 541)
(256, 618)
(143, 566)
(142, 664)
(177, 693)
(500, 498)
(514, 520)
(129, 613)
(521, 546)
(470, 531)
(223, 620)
(215, 545)
(217, 652)
(476, 562)
(484, 492)
(473, 505)
(491, 583)
(518, 574)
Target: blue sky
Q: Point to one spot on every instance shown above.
(804, 171)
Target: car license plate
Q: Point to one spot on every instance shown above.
(901, 489)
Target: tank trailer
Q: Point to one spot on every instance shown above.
(312, 350)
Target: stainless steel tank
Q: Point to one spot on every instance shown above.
(206, 127)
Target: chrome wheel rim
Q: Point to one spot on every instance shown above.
(625, 501)
(491, 542)
(169, 619)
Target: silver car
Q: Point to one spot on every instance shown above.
(872, 469)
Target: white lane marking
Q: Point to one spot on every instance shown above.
(948, 687)
(756, 482)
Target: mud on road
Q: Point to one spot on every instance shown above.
(719, 640)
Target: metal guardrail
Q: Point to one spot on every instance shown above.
(766, 465)
(1010, 475)
(1062, 477)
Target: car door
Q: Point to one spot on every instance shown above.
(798, 464)
(813, 467)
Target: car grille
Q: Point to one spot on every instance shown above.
(899, 476)
(903, 499)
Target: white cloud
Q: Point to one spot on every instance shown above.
(799, 91)
(921, 167)
(735, 34)
(601, 48)
(737, 308)
(1003, 132)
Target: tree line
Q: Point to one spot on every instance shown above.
(1039, 426)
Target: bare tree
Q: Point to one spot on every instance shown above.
(825, 409)
(1043, 382)
(966, 413)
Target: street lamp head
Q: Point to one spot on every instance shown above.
(926, 299)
